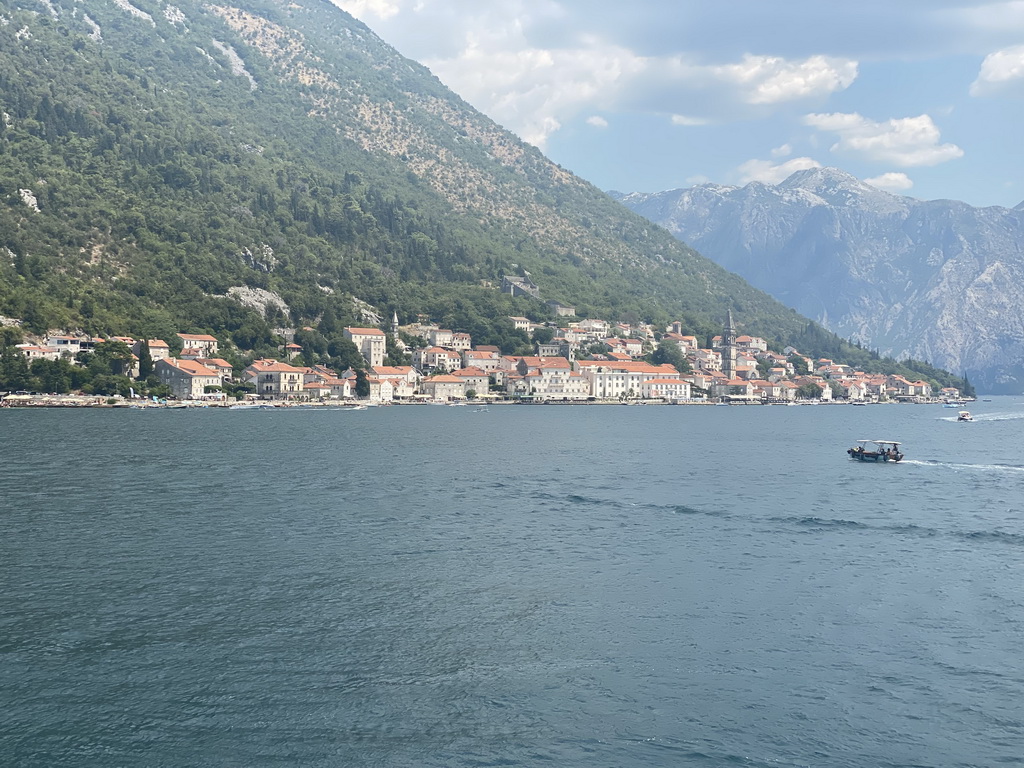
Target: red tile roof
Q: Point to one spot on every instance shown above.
(195, 337)
(365, 331)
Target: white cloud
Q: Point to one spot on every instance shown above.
(773, 80)
(893, 182)
(685, 120)
(533, 91)
(784, 151)
(698, 179)
(517, 63)
(905, 142)
(769, 173)
(999, 69)
(363, 9)
(597, 121)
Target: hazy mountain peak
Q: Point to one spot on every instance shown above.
(839, 188)
(937, 280)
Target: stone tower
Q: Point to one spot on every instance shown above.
(729, 347)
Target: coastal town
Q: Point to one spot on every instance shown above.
(575, 361)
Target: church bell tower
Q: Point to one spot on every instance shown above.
(729, 347)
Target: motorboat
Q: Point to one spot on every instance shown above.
(876, 450)
(964, 416)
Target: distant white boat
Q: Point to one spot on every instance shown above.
(964, 416)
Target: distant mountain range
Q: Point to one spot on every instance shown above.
(935, 280)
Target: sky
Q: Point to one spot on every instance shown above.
(918, 97)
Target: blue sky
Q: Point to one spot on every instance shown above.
(920, 97)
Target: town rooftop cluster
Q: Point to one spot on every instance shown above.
(448, 367)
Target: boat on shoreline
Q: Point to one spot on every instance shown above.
(876, 450)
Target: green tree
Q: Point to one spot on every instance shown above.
(146, 364)
(669, 352)
(345, 354)
(543, 335)
(111, 358)
(394, 355)
(362, 384)
(51, 375)
(9, 336)
(799, 364)
(14, 371)
(108, 384)
(808, 391)
(239, 390)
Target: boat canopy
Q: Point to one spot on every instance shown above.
(880, 442)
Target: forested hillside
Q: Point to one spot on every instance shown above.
(157, 160)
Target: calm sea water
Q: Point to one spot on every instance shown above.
(532, 586)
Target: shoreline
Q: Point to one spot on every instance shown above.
(99, 401)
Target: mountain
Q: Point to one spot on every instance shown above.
(237, 169)
(934, 280)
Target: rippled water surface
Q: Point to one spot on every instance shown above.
(566, 586)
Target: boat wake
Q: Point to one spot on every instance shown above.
(1008, 468)
(819, 524)
(987, 417)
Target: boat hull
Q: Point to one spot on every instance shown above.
(873, 455)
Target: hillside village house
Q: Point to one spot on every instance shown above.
(371, 343)
(206, 344)
(613, 379)
(65, 345)
(707, 360)
(187, 379)
(404, 380)
(459, 342)
(733, 388)
(381, 390)
(483, 359)
(275, 380)
(631, 347)
(686, 344)
(666, 389)
(558, 347)
(220, 366)
(158, 348)
(444, 387)
(440, 337)
(476, 379)
(436, 359)
(34, 352)
(546, 378)
(406, 373)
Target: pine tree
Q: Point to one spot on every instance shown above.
(146, 364)
(362, 384)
